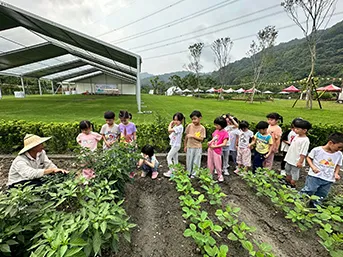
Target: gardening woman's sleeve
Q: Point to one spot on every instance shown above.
(47, 162)
(27, 172)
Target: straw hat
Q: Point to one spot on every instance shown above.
(31, 141)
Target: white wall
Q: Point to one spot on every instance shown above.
(88, 84)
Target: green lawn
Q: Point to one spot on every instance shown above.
(78, 107)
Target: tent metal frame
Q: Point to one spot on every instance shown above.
(61, 40)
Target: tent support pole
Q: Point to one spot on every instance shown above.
(22, 84)
(138, 85)
(40, 87)
(52, 87)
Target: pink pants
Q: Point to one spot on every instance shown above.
(268, 163)
(214, 161)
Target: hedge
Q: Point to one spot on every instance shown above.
(64, 135)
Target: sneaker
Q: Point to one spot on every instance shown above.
(154, 175)
(226, 173)
(236, 171)
(283, 172)
(215, 171)
(192, 176)
(132, 174)
(220, 178)
(143, 175)
(168, 174)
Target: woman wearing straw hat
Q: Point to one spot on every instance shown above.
(31, 163)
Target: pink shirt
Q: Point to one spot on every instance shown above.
(276, 133)
(218, 138)
(89, 141)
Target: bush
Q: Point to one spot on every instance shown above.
(64, 134)
(66, 216)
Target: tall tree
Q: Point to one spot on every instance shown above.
(176, 81)
(260, 53)
(221, 49)
(195, 65)
(155, 83)
(315, 13)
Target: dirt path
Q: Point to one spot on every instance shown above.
(271, 226)
(154, 207)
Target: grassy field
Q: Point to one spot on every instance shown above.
(78, 107)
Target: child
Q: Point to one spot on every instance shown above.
(127, 128)
(195, 134)
(148, 163)
(286, 140)
(276, 132)
(175, 129)
(233, 132)
(243, 149)
(325, 163)
(109, 131)
(263, 142)
(295, 157)
(214, 152)
(88, 139)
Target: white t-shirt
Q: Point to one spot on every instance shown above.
(233, 134)
(176, 136)
(325, 162)
(244, 138)
(228, 129)
(299, 146)
(290, 137)
(111, 133)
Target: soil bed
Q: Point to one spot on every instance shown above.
(154, 206)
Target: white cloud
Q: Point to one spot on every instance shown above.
(97, 17)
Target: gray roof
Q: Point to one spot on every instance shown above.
(58, 41)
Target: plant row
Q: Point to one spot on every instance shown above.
(202, 228)
(327, 220)
(69, 216)
(64, 134)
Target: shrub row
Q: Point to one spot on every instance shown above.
(64, 134)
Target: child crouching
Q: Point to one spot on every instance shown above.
(148, 163)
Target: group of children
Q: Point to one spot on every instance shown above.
(230, 138)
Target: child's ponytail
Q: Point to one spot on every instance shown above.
(275, 116)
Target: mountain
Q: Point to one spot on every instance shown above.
(145, 75)
(291, 60)
(164, 77)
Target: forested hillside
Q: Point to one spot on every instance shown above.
(291, 60)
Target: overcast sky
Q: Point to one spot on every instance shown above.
(96, 17)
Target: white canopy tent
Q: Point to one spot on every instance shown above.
(267, 92)
(241, 90)
(211, 90)
(186, 91)
(173, 90)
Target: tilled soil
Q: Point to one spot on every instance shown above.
(154, 206)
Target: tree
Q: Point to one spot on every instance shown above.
(155, 82)
(315, 12)
(194, 65)
(221, 49)
(259, 54)
(176, 81)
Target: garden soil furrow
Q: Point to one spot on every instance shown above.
(154, 207)
(271, 226)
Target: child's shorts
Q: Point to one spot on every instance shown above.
(292, 171)
(244, 157)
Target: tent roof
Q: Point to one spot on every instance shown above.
(55, 69)
(330, 88)
(54, 41)
(291, 89)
